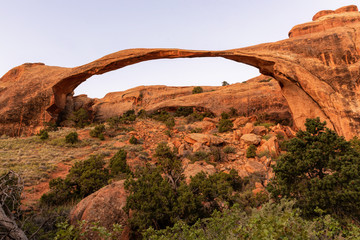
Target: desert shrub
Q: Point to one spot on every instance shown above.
(233, 112)
(118, 163)
(133, 140)
(113, 122)
(225, 115)
(170, 122)
(198, 116)
(83, 230)
(216, 154)
(197, 90)
(98, 132)
(84, 178)
(43, 134)
(183, 111)
(51, 126)
(72, 138)
(80, 118)
(225, 125)
(199, 156)
(142, 114)
(251, 151)
(320, 170)
(128, 117)
(272, 221)
(229, 149)
(167, 203)
(225, 83)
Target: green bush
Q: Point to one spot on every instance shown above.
(167, 203)
(225, 125)
(43, 134)
(199, 156)
(170, 122)
(225, 115)
(225, 83)
(183, 111)
(72, 138)
(197, 90)
(98, 132)
(80, 118)
(133, 140)
(51, 126)
(271, 221)
(128, 117)
(142, 114)
(320, 170)
(118, 163)
(251, 151)
(229, 149)
(84, 178)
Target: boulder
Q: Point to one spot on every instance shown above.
(104, 206)
(206, 139)
(251, 139)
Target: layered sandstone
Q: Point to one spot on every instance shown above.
(254, 97)
(317, 68)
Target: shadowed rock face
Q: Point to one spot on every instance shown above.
(317, 69)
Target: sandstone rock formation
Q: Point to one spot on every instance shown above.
(317, 69)
(104, 206)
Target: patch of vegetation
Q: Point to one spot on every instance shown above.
(165, 117)
(225, 125)
(197, 90)
(229, 149)
(265, 80)
(51, 126)
(72, 138)
(84, 178)
(271, 221)
(118, 163)
(251, 151)
(43, 134)
(199, 156)
(133, 140)
(98, 132)
(320, 171)
(183, 111)
(225, 83)
(80, 118)
(84, 230)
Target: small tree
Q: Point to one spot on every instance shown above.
(118, 163)
(98, 132)
(321, 171)
(251, 151)
(80, 117)
(197, 90)
(225, 83)
(72, 138)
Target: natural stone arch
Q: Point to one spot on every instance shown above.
(317, 68)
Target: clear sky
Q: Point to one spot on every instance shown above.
(72, 33)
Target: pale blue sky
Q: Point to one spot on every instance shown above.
(71, 33)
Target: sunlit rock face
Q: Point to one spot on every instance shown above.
(317, 69)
